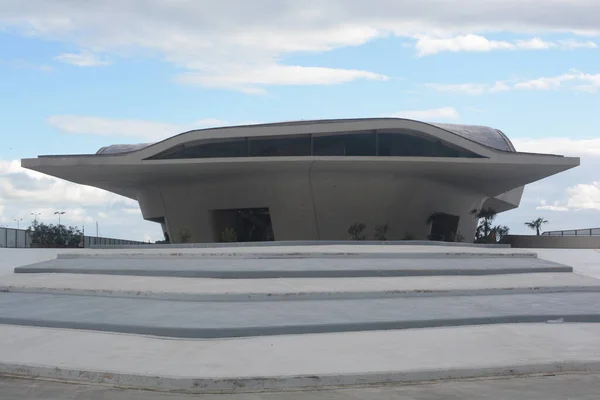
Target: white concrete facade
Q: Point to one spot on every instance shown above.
(315, 197)
(311, 205)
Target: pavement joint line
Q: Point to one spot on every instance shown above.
(307, 273)
(276, 330)
(294, 296)
(290, 255)
(300, 243)
(202, 385)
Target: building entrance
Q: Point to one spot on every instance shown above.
(243, 225)
(444, 227)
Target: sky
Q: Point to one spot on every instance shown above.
(79, 75)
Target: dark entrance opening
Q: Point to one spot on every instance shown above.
(243, 225)
(444, 227)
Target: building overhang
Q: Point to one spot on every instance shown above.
(491, 177)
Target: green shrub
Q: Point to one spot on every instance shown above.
(381, 232)
(54, 235)
(228, 235)
(356, 231)
(184, 236)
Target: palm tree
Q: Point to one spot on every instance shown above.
(536, 224)
(499, 232)
(486, 218)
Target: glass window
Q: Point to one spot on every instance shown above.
(410, 145)
(361, 144)
(172, 153)
(214, 149)
(280, 147)
(220, 149)
(402, 143)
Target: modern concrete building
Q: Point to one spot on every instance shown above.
(311, 180)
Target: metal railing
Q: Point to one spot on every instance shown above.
(19, 238)
(574, 232)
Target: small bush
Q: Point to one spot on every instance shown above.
(228, 235)
(381, 232)
(408, 236)
(184, 236)
(356, 231)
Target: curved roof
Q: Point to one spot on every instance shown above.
(483, 135)
(122, 148)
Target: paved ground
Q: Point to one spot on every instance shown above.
(559, 387)
(585, 262)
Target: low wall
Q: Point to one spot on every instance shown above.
(20, 238)
(553, 242)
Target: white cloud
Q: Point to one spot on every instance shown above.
(580, 197)
(131, 128)
(574, 80)
(26, 192)
(22, 185)
(469, 88)
(584, 196)
(586, 82)
(436, 114)
(539, 44)
(82, 59)
(428, 45)
(207, 37)
(551, 207)
(571, 44)
(251, 80)
(559, 145)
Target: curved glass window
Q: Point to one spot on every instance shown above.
(397, 143)
(405, 145)
(290, 146)
(484, 135)
(220, 149)
(357, 144)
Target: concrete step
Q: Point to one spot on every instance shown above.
(197, 319)
(307, 243)
(201, 289)
(245, 254)
(290, 267)
(305, 361)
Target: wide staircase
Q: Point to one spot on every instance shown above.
(315, 291)
(228, 293)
